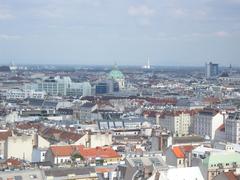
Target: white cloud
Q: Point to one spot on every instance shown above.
(179, 12)
(141, 10)
(9, 37)
(233, 1)
(5, 14)
(221, 34)
(50, 12)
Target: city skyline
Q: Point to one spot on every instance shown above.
(101, 32)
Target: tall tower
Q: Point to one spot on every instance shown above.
(148, 63)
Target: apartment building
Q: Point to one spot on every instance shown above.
(207, 122)
(232, 128)
(179, 123)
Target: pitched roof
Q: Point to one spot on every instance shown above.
(221, 157)
(28, 125)
(178, 152)
(103, 169)
(4, 135)
(102, 152)
(67, 150)
(70, 136)
(230, 175)
(13, 162)
(187, 148)
(61, 135)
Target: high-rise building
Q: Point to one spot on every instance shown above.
(107, 86)
(64, 86)
(211, 70)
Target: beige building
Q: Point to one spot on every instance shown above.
(4, 134)
(22, 146)
(179, 123)
(93, 140)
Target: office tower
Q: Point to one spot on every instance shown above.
(211, 70)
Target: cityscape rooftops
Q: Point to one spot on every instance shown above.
(86, 153)
(67, 150)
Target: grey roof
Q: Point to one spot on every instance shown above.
(187, 139)
(59, 172)
(88, 105)
(36, 174)
(235, 115)
(156, 161)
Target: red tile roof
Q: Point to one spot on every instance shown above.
(104, 169)
(230, 175)
(61, 134)
(13, 162)
(163, 101)
(187, 148)
(102, 152)
(67, 150)
(70, 136)
(4, 135)
(25, 126)
(178, 152)
(211, 100)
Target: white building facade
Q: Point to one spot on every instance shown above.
(178, 123)
(232, 128)
(64, 86)
(23, 94)
(207, 122)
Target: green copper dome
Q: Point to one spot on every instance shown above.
(116, 74)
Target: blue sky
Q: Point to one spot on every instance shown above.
(170, 32)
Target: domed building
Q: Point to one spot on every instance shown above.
(117, 76)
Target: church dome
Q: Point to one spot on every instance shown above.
(116, 74)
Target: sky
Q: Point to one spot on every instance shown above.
(126, 32)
